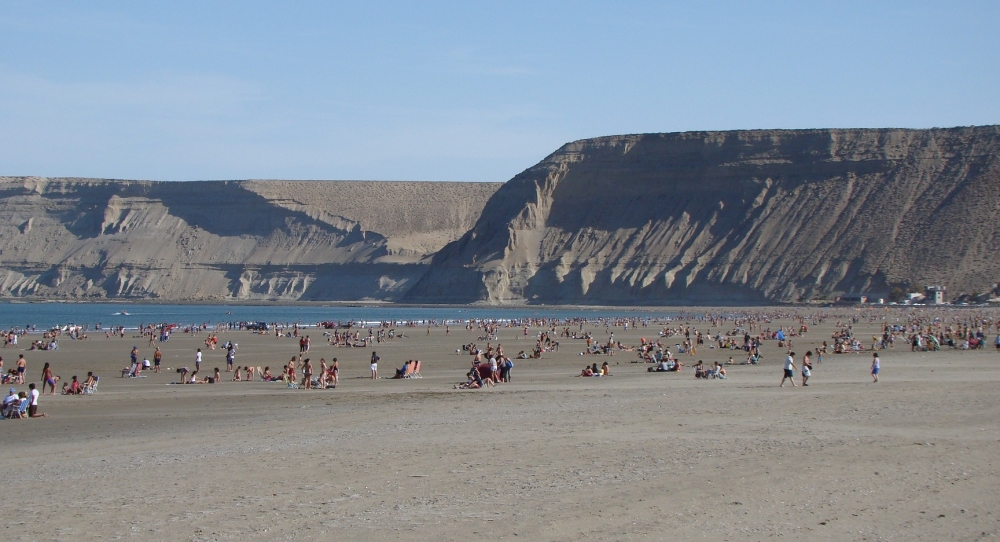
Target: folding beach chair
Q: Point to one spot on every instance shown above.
(92, 389)
(21, 411)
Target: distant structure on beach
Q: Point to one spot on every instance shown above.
(935, 295)
(740, 217)
(851, 299)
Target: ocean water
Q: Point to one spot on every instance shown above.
(45, 316)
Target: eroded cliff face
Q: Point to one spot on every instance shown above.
(693, 218)
(734, 217)
(242, 240)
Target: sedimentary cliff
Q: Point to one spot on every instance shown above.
(246, 240)
(734, 217)
(695, 218)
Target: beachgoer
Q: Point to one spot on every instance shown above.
(197, 360)
(48, 379)
(307, 374)
(10, 402)
(876, 366)
(806, 367)
(374, 365)
(157, 358)
(335, 371)
(789, 370)
(324, 372)
(33, 403)
(22, 365)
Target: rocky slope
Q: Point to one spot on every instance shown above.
(248, 240)
(695, 218)
(734, 217)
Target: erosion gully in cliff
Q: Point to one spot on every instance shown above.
(735, 217)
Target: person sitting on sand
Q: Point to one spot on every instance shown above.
(470, 382)
(699, 370)
(72, 387)
(195, 379)
(587, 371)
(237, 375)
(10, 402)
(218, 376)
(401, 372)
(605, 369)
(268, 377)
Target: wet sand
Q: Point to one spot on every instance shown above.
(548, 456)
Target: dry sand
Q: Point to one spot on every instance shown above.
(545, 457)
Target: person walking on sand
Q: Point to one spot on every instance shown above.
(197, 360)
(876, 365)
(789, 370)
(806, 367)
(374, 366)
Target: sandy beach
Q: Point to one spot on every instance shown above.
(548, 456)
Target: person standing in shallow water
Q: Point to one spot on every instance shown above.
(876, 366)
(789, 370)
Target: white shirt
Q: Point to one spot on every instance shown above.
(789, 363)
(197, 357)
(34, 397)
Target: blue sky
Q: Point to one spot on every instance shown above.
(460, 91)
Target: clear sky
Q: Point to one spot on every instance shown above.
(460, 91)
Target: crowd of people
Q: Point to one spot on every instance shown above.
(922, 330)
(489, 367)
